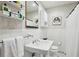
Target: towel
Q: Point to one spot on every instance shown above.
(13, 47)
(9, 47)
(20, 46)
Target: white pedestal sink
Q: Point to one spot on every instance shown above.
(40, 46)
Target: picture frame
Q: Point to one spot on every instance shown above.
(57, 20)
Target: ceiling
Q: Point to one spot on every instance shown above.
(46, 4)
(49, 4)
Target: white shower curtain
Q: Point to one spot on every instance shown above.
(72, 33)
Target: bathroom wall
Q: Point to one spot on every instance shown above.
(10, 26)
(57, 33)
(43, 21)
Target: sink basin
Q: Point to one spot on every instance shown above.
(41, 46)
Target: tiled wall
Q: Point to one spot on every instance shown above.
(8, 23)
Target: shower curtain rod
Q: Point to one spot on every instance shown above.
(72, 10)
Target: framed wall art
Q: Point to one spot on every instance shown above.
(57, 20)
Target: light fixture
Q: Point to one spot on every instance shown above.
(34, 4)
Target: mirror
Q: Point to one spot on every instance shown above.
(31, 14)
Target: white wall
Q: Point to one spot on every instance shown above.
(43, 18)
(57, 33)
(32, 16)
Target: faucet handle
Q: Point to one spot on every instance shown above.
(28, 35)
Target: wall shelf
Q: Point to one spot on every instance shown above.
(8, 17)
(12, 4)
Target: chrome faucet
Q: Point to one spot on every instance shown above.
(35, 41)
(28, 35)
